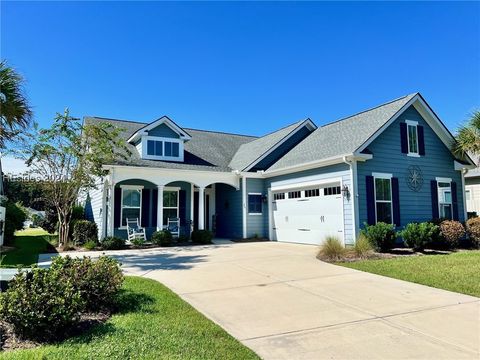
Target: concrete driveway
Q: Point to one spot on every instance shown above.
(280, 301)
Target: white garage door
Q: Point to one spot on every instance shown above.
(308, 215)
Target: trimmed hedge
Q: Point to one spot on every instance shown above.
(473, 230)
(83, 231)
(381, 236)
(202, 237)
(14, 218)
(452, 231)
(162, 238)
(419, 235)
(112, 243)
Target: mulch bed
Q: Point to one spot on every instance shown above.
(9, 341)
(249, 240)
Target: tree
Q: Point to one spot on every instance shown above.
(69, 157)
(468, 137)
(15, 112)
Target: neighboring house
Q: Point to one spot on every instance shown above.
(472, 189)
(391, 163)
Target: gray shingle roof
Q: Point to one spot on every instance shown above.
(207, 150)
(343, 136)
(251, 151)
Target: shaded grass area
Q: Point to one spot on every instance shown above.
(459, 272)
(28, 244)
(153, 323)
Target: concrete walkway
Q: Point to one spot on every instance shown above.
(284, 304)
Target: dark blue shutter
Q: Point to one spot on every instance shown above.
(145, 207)
(434, 193)
(153, 223)
(421, 141)
(182, 206)
(404, 138)
(370, 200)
(454, 200)
(118, 204)
(396, 201)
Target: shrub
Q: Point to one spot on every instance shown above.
(332, 249)
(112, 243)
(419, 235)
(381, 236)
(50, 222)
(39, 305)
(202, 237)
(162, 238)
(138, 241)
(90, 245)
(14, 218)
(84, 231)
(452, 231)
(473, 230)
(362, 247)
(97, 281)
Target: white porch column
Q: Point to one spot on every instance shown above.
(201, 208)
(244, 207)
(160, 208)
(111, 210)
(192, 203)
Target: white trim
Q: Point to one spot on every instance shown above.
(144, 146)
(244, 207)
(411, 122)
(316, 164)
(382, 175)
(256, 194)
(464, 192)
(270, 214)
(443, 180)
(414, 124)
(354, 197)
(459, 166)
(132, 187)
(139, 188)
(163, 120)
(299, 184)
(160, 223)
(307, 122)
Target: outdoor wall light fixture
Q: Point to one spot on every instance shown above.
(345, 191)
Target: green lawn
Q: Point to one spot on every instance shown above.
(154, 323)
(459, 272)
(28, 244)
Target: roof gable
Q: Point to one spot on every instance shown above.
(160, 123)
(252, 153)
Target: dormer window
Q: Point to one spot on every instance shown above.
(157, 148)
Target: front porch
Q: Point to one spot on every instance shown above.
(155, 199)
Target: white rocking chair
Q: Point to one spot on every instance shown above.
(134, 230)
(173, 225)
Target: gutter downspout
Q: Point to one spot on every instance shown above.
(354, 195)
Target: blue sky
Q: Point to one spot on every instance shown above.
(242, 67)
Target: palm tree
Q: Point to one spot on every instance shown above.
(468, 137)
(15, 112)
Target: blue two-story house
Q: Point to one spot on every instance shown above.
(391, 163)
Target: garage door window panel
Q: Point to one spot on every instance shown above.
(294, 194)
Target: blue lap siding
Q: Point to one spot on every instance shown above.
(388, 158)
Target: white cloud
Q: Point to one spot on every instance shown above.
(13, 166)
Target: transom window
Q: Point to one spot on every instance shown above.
(254, 203)
(444, 199)
(412, 137)
(332, 190)
(294, 194)
(383, 199)
(279, 196)
(312, 192)
(131, 204)
(170, 205)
